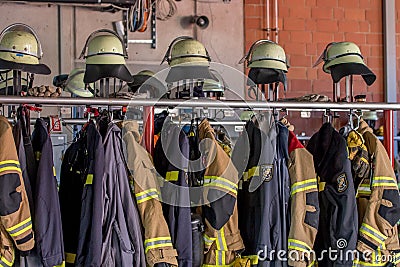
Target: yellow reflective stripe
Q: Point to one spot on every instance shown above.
(10, 161)
(384, 181)
(221, 179)
(255, 171)
(54, 171)
(5, 261)
(313, 180)
(298, 245)
(304, 189)
(145, 199)
(18, 225)
(222, 186)
(89, 179)
(384, 184)
(383, 178)
(145, 192)
(61, 265)
(11, 168)
(208, 240)
(224, 245)
(22, 231)
(321, 186)
(311, 264)
(383, 237)
(172, 176)
(253, 259)
(169, 244)
(157, 239)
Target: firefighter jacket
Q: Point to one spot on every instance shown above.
(47, 220)
(122, 236)
(22, 138)
(15, 217)
(337, 228)
(157, 238)
(171, 155)
(81, 198)
(265, 190)
(222, 238)
(304, 203)
(378, 204)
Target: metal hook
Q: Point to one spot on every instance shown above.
(327, 115)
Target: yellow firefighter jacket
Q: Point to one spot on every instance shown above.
(378, 205)
(15, 217)
(222, 238)
(304, 203)
(157, 239)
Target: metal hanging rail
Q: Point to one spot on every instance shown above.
(199, 103)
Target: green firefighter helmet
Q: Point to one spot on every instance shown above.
(75, 84)
(104, 47)
(266, 54)
(20, 49)
(186, 50)
(338, 53)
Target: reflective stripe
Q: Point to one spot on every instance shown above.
(221, 247)
(21, 229)
(10, 165)
(172, 176)
(371, 232)
(304, 186)
(61, 265)
(255, 171)
(146, 195)
(384, 181)
(4, 262)
(220, 182)
(54, 171)
(364, 189)
(208, 240)
(321, 186)
(70, 257)
(298, 245)
(89, 179)
(157, 243)
(11, 161)
(311, 264)
(18, 225)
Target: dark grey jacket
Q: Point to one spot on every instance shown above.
(122, 235)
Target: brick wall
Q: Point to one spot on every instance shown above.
(307, 26)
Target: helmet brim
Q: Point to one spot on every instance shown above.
(95, 72)
(342, 70)
(266, 76)
(31, 68)
(179, 73)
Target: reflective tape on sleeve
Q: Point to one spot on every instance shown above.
(146, 195)
(372, 233)
(9, 165)
(304, 186)
(157, 242)
(384, 181)
(298, 245)
(224, 184)
(255, 171)
(20, 228)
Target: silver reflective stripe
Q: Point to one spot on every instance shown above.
(372, 233)
(146, 195)
(299, 246)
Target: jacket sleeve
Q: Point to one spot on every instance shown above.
(14, 207)
(157, 239)
(304, 203)
(383, 211)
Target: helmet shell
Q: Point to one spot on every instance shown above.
(105, 49)
(189, 51)
(341, 52)
(75, 84)
(19, 47)
(268, 55)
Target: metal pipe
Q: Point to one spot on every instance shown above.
(268, 26)
(348, 89)
(388, 136)
(179, 103)
(276, 21)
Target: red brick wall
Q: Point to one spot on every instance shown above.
(307, 26)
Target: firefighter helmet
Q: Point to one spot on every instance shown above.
(75, 84)
(185, 49)
(20, 49)
(105, 55)
(266, 54)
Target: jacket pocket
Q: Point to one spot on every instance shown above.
(312, 210)
(389, 208)
(124, 247)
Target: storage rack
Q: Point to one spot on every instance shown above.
(149, 104)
